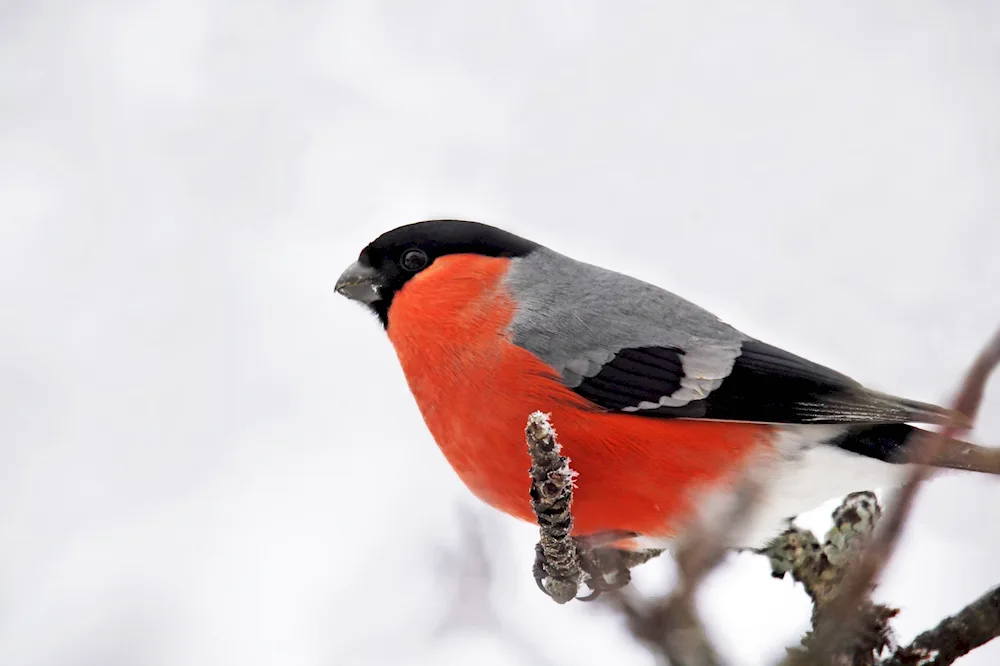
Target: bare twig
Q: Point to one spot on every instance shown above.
(840, 615)
(469, 575)
(467, 578)
(847, 627)
(670, 626)
(839, 574)
(706, 544)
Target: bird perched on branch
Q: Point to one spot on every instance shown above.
(661, 407)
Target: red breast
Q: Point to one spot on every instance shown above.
(475, 389)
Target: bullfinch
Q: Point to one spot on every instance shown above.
(661, 407)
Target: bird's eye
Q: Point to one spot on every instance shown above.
(413, 260)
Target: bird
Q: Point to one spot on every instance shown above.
(661, 407)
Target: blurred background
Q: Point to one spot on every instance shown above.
(190, 418)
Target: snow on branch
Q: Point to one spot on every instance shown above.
(557, 560)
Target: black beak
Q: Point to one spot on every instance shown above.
(360, 283)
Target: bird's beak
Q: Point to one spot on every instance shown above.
(360, 283)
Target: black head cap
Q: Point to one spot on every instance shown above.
(396, 256)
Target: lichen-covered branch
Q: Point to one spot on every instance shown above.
(838, 574)
(841, 614)
(822, 568)
(847, 627)
(955, 636)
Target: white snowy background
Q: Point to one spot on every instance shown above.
(189, 415)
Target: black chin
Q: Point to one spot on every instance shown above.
(381, 310)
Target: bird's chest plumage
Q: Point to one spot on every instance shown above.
(475, 389)
(449, 329)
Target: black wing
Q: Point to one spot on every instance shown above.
(766, 385)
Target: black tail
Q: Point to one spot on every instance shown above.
(891, 442)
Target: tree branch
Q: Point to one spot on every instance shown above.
(838, 575)
(955, 636)
(669, 626)
(841, 614)
(557, 562)
(822, 568)
(564, 563)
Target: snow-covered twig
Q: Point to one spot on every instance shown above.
(557, 560)
(668, 626)
(564, 563)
